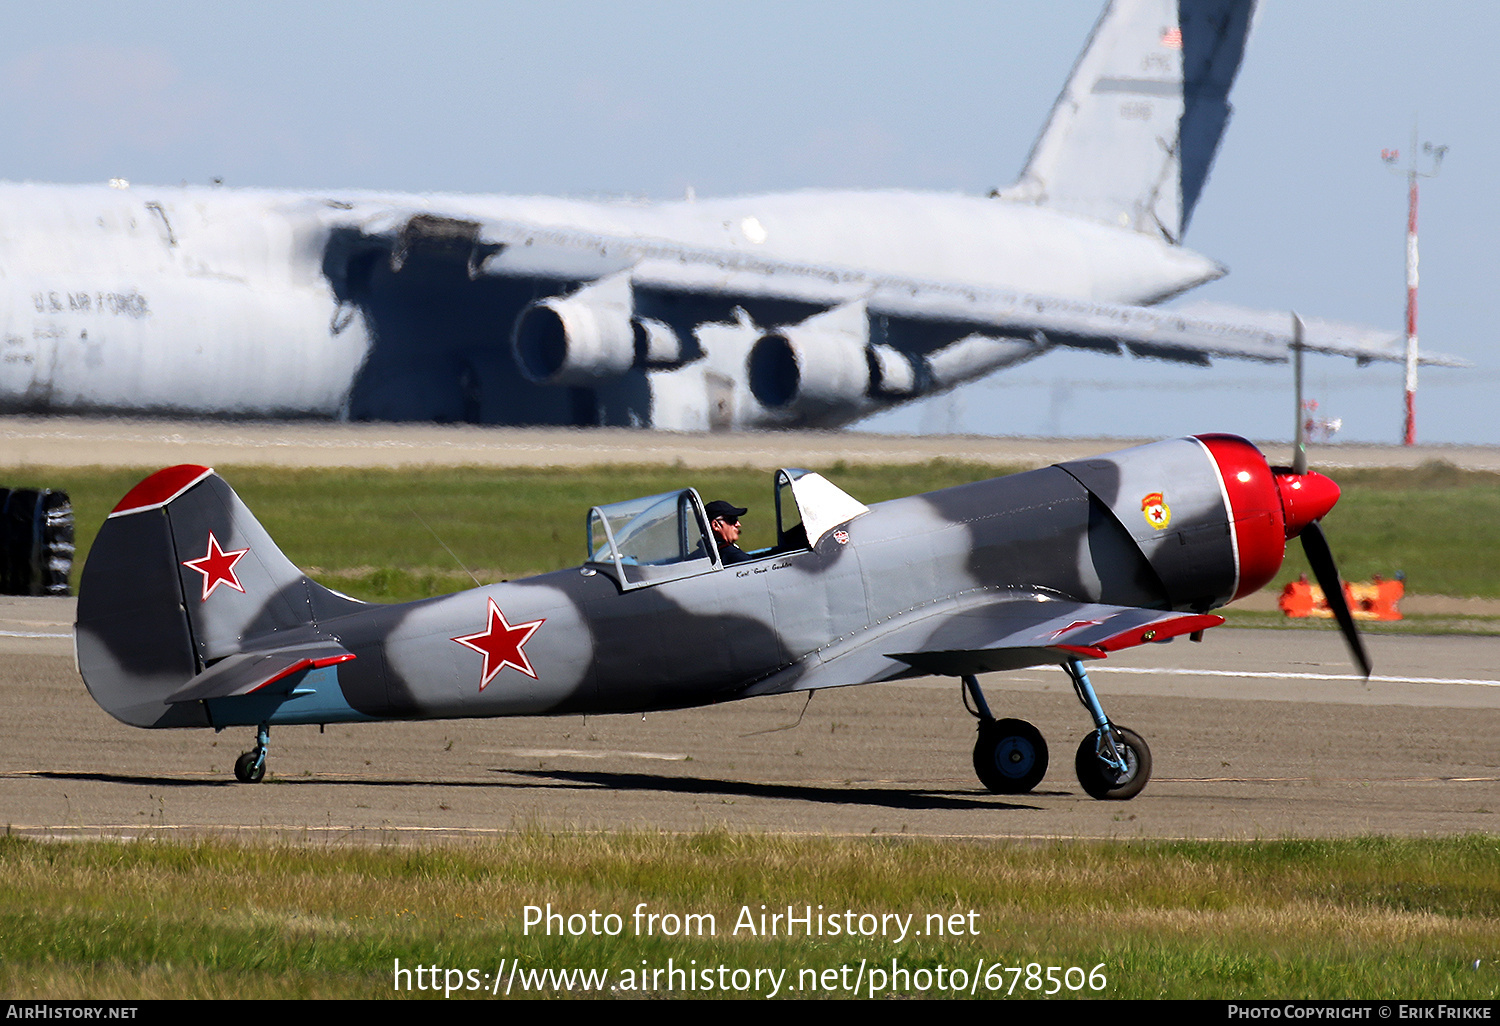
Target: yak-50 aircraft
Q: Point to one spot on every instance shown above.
(189, 616)
(812, 308)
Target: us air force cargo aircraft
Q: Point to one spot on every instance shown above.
(805, 309)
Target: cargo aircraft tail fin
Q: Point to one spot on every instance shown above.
(1132, 137)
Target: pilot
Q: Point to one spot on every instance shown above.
(724, 522)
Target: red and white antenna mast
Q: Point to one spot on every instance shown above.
(1409, 434)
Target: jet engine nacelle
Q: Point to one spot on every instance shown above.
(830, 363)
(827, 363)
(805, 369)
(589, 335)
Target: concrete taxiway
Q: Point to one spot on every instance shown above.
(84, 441)
(1255, 733)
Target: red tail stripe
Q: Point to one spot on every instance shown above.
(161, 488)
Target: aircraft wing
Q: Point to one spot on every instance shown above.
(993, 636)
(269, 671)
(825, 344)
(1334, 338)
(1190, 333)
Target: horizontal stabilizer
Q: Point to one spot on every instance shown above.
(268, 672)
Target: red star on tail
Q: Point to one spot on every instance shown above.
(217, 567)
(502, 644)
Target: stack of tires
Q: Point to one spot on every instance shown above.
(36, 541)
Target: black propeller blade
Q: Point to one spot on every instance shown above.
(1315, 545)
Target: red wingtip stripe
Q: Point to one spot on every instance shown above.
(1086, 651)
(161, 488)
(1161, 630)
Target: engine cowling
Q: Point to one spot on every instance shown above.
(1208, 513)
(1168, 498)
(828, 363)
(589, 335)
(579, 338)
(1270, 505)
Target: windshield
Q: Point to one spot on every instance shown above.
(665, 530)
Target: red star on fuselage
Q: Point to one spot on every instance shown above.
(217, 567)
(502, 645)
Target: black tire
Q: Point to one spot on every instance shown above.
(246, 771)
(1010, 756)
(1104, 783)
(55, 552)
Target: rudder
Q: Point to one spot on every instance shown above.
(1132, 136)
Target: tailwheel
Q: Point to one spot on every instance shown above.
(1106, 777)
(1010, 756)
(250, 767)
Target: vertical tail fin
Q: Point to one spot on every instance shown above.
(180, 576)
(1132, 137)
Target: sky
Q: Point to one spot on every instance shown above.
(726, 98)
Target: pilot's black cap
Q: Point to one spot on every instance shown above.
(719, 508)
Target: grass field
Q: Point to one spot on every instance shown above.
(1370, 918)
(375, 533)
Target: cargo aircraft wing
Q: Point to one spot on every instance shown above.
(828, 343)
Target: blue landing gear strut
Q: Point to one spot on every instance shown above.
(1113, 762)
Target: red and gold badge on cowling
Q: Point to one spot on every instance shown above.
(1158, 513)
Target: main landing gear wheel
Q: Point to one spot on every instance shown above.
(250, 768)
(1010, 756)
(1105, 782)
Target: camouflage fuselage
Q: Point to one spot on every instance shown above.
(1150, 527)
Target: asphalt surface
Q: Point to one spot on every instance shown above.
(1254, 733)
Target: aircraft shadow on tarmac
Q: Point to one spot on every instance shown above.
(888, 798)
(132, 779)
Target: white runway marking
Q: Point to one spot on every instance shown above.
(1282, 675)
(35, 634)
(563, 753)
